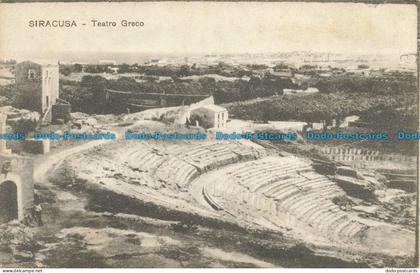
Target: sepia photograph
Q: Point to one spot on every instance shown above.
(209, 135)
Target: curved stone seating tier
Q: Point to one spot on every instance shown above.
(210, 200)
(268, 163)
(209, 155)
(177, 164)
(214, 160)
(142, 158)
(177, 170)
(179, 149)
(279, 186)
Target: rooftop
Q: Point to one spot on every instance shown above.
(42, 63)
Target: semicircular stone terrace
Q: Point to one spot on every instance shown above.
(242, 181)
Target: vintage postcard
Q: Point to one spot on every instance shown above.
(208, 135)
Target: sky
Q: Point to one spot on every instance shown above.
(205, 27)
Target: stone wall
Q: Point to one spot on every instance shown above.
(361, 158)
(29, 89)
(19, 170)
(3, 148)
(347, 154)
(37, 85)
(61, 112)
(37, 146)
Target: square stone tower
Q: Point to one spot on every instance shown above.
(37, 85)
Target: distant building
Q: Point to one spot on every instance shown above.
(210, 116)
(38, 85)
(408, 58)
(245, 78)
(325, 75)
(317, 126)
(283, 73)
(113, 69)
(309, 90)
(6, 75)
(408, 61)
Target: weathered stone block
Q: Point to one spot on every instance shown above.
(61, 112)
(37, 146)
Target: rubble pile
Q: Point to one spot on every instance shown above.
(19, 240)
(21, 120)
(4, 101)
(83, 123)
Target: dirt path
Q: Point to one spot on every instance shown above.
(196, 189)
(49, 162)
(46, 164)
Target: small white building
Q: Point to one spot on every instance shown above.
(209, 116)
(348, 120)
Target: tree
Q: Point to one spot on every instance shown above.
(123, 68)
(208, 84)
(184, 70)
(65, 70)
(77, 68)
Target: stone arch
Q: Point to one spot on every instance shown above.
(8, 201)
(11, 203)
